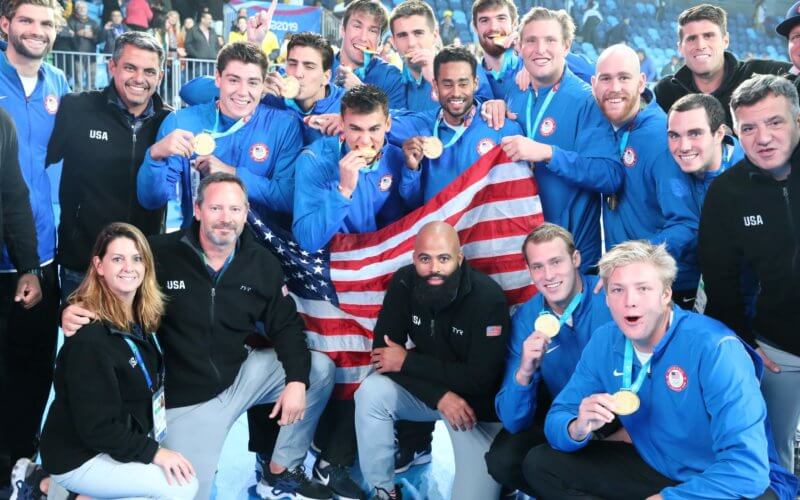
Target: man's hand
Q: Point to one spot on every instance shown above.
(457, 411)
(520, 148)
(389, 359)
(533, 350)
(176, 143)
(328, 124)
(771, 365)
(349, 166)
(422, 58)
(273, 84)
(74, 317)
(523, 79)
(594, 412)
(291, 404)
(345, 77)
(412, 150)
(175, 466)
(29, 290)
(495, 112)
(210, 164)
(258, 24)
(512, 39)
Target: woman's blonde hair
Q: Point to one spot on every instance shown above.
(93, 293)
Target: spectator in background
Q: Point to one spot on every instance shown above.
(113, 29)
(138, 14)
(168, 34)
(789, 29)
(86, 35)
(448, 32)
(591, 20)
(202, 41)
(618, 33)
(188, 25)
(239, 31)
(160, 10)
(214, 7)
(109, 6)
(648, 67)
(671, 67)
(339, 8)
(759, 15)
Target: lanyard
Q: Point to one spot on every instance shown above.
(233, 128)
(623, 143)
(408, 77)
(361, 71)
(458, 131)
(627, 370)
(509, 61)
(140, 361)
(532, 128)
(369, 168)
(726, 159)
(573, 304)
(291, 104)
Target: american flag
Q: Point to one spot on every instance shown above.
(339, 290)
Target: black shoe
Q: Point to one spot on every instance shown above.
(25, 479)
(382, 494)
(291, 483)
(337, 478)
(404, 459)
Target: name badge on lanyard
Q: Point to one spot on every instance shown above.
(159, 406)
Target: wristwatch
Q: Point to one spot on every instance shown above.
(36, 271)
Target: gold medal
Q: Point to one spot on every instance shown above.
(626, 402)
(432, 148)
(547, 325)
(500, 40)
(365, 49)
(204, 144)
(368, 153)
(291, 87)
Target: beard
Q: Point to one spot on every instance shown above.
(21, 49)
(437, 297)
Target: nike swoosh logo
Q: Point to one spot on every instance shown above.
(3, 96)
(687, 300)
(323, 479)
(617, 373)
(552, 349)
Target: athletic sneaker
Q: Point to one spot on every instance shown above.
(337, 478)
(261, 461)
(382, 494)
(291, 483)
(25, 479)
(404, 459)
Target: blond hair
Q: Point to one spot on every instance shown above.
(639, 251)
(548, 232)
(543, 14)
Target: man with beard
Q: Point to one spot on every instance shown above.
(750, 216)
(234, 134)
(458, 319)
(31, 91)
(114, 127)
(656, 202)
(453, 122)
(539, 363)
(415, 38)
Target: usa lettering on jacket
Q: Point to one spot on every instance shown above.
(100, 135)
(176, 285)
(753, 220)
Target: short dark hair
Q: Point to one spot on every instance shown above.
(703, 12)
(8, 8)
(365, 99)
(479, 6)
(245, 52)
(216, 178)
(140, 40)
(371, 7)
(757, 87)
(715, 113)
(410, 8)
(313, 41)
(454, 54)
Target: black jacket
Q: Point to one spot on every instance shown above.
(671, 88)
(460, 349)
(198, 46)
(102, 154)
(103, 403)
(17, 228)
(750, 216)
(206, 322)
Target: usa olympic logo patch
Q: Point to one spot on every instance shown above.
(629, 157)
(51, 104)
(547, 127)
(484, 146)
(385, 183)
(676, 378)
(259, 152)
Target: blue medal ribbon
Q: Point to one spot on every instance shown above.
(138, 356)
(509, 61)
(627, 370)
(459, 132)
(361, 71)
(216, 134)
(573, 304)
(532, 128)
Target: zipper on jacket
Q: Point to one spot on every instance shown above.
(788, 205)
(133, 172)
(433, 326)
(210, 357)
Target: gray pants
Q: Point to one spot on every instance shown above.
(783, 401)
(380, 402)
(104, 477)
(199, 431)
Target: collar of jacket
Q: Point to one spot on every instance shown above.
(191, 237)
(112, 96)
(685, 79)
(756, 173)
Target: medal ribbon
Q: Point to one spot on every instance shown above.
(232, 130)
(726, 159)
(573, 304)
(623, 143)
(140, 361)
(509, 61)
(532, 128)
(627, 370)
(361, 71)
(458, 132)
(408, 77)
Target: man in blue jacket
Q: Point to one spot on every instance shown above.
(465, 139)
(572, 152)
(362, 29)
(257, 143)
(656, 201)
(31, 91)
(534, 358)
(686, 390)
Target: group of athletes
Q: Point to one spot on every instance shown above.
(659, 358)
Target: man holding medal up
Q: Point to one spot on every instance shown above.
(686, 390)
(234, 134)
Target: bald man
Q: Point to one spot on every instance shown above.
(656, 202)
(458, 319)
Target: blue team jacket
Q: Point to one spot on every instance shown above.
(515, 403)
(732, 153)
(382, 75)
(320, 210)
(421, 185)
(263, 152)
(503, 81)
(702, 420)
(203, 89)
(656, 202)
(584, 161)
(34, 117)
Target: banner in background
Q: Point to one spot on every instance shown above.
(287, 18)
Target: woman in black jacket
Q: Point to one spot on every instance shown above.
(102, 432)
